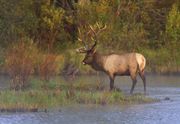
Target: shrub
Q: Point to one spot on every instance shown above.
(20, 61)
(173, 23)
(50, 66)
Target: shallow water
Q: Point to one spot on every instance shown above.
(164, 112)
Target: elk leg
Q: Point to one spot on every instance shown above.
(134, 83)
(111, 82)
(142, 75)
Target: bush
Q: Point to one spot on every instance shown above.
(50, 66)
(20, 61)
(173, 23)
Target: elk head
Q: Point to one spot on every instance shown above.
(91, 34)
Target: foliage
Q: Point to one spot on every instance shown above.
(20, 61)
(173, 23)
(17, 19)
(50, 66)
(50, 24)
(132, 26)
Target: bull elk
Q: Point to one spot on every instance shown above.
(129, 64)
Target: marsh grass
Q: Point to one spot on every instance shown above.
(35, 99)
(61, 94)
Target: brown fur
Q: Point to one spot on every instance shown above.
(118, 64)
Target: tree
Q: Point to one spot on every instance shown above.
(17, 19)
(69, 20)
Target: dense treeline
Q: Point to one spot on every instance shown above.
(131, 24)
(151, 27)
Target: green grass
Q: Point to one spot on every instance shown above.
(51, 99)
(60, 94)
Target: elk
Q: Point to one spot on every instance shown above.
(128, 64)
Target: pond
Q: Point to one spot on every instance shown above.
(166, 88)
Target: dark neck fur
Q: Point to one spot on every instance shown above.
(98, 63)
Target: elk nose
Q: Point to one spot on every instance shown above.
(83, 63)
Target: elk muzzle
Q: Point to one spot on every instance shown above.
(83, 63)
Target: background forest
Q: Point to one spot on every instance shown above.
(40, 36)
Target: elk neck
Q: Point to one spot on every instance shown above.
(98, 61)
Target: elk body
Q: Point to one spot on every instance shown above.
(129, 64)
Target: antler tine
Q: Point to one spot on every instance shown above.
(85, 36)
(95, 40)
(82, 40)
(100, 28)
(98, 25)
(81, 50)
(92, 28)
(79, 31)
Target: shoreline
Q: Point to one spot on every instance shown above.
(42, 101)
(101, 73)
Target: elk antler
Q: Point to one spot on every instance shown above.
(85, 35)
(82, 39)
(100, 29)
(81, 50)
